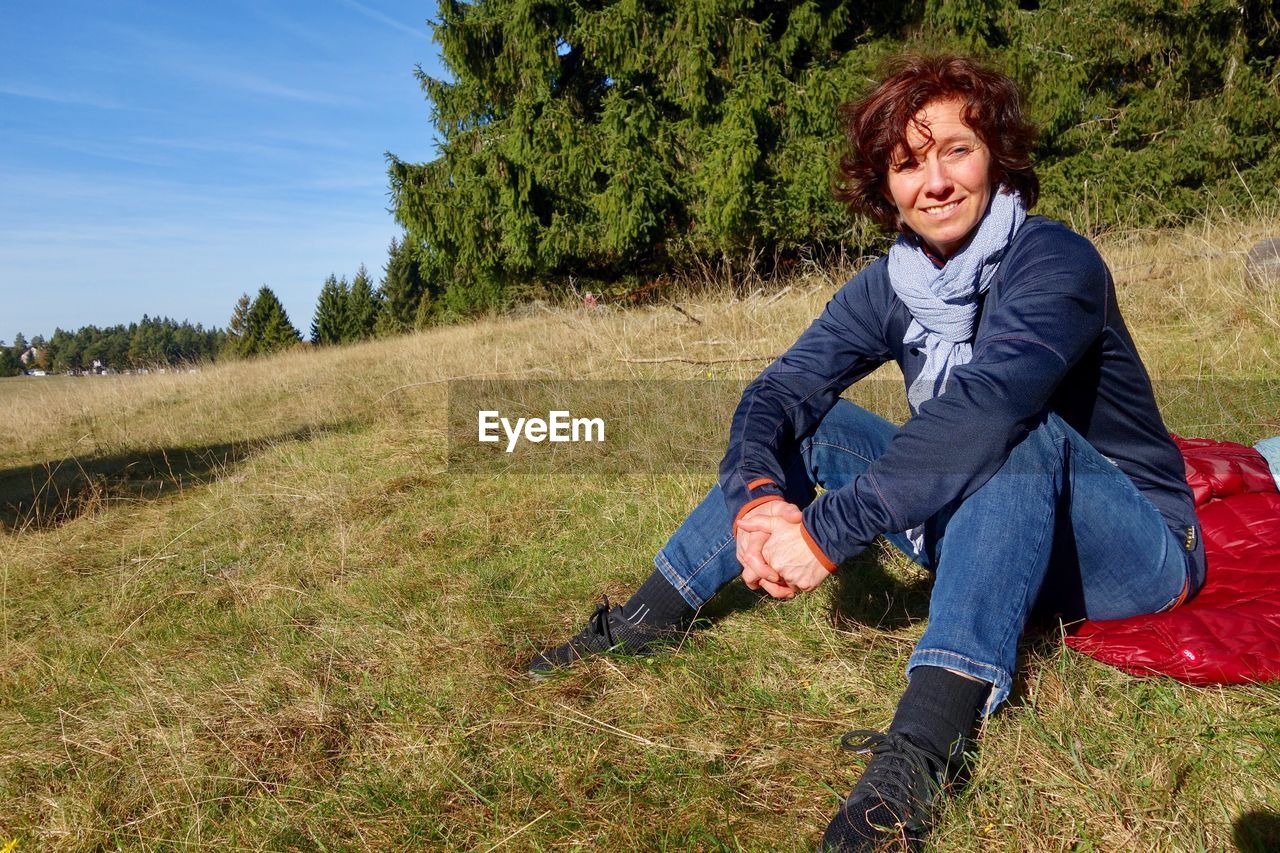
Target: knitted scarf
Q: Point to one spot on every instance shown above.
(944, 302)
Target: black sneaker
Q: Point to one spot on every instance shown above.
(607, 631)
(892, 804)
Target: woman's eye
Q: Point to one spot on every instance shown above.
(907, 166)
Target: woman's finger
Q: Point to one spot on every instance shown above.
(777, 590)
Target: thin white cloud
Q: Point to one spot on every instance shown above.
(289, 25)
(174, 54)
(42, 93)
(89, 147)
(216, 146)
(375, 15)
(256, 85)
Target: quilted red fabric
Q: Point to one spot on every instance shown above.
(1230, 632)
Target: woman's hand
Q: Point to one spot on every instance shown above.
(756, 572)
(785, 554)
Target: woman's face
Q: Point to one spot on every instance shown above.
(941, 186)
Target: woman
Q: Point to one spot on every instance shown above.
(1034, 469)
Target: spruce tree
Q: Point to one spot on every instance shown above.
(267, 328)
(362, 308)
(237, 326)
(401, 290)
(615, 141)
(331, 312)
(9, 365)
(427, 311)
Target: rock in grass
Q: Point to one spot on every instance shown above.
(1262, 265)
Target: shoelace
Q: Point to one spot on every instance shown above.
(599, 622)
(904, 777)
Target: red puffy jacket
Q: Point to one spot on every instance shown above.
(1230, 632)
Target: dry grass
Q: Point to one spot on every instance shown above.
(260, 613)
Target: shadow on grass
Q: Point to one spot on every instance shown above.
(863, 592)
(866, 592)
(51, 493)
(1256, 831)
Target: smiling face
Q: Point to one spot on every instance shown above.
(941, 186)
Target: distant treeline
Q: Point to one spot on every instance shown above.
(346, 312)
(607, 145)
(151, 342)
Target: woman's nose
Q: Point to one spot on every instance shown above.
(936, 179)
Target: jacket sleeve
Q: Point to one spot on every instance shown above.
(1052, 310)
(785, 403)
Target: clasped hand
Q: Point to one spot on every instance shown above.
(773, 551)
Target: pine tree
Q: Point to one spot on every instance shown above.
(9, 365)
(146, 344)
(362, 308)
(617, 140)
(267, 327)
(401, 290)
(329, 324)
(427, 312)
(237, 325)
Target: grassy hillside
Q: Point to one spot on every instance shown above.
(250, 608)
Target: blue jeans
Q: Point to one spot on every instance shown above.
(1057, 510)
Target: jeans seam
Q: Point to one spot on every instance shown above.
(1186, 576)
(1001, 681)
(974, 662)
(684, 584)
(673, 577)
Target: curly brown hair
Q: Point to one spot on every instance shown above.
(875, 128)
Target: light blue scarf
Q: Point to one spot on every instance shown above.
(944, 302)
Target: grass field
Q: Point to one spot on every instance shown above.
(249, 607)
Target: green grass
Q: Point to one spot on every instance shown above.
(255, 610)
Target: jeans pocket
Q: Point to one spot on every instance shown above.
(1182, 596)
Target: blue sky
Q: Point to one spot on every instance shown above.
(163, 158)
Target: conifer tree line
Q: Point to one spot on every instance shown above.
(150, 343)
(355, 311)
(613, 141)
(345, 312)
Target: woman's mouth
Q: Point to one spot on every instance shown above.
(941, 209)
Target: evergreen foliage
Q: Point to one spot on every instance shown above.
(614, 140)
(362, 308)
(427, 311)
(267, 326)
(152, 342)
(236, 326)
(9, 364)
(329, 324)
(407, 300)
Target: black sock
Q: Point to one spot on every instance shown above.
(939, 709)
(657, 603)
